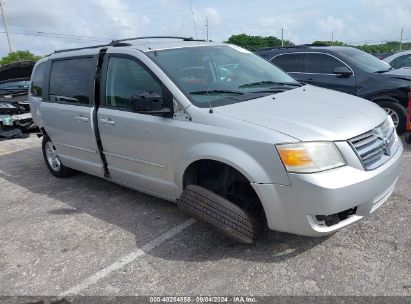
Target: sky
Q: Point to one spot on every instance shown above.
(42, 26)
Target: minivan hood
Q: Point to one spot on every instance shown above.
(309, 113)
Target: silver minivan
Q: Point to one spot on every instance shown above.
(235, 141)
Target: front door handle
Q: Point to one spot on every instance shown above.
(107, 121)
(81, 118)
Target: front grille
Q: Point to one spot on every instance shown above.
(376, 146)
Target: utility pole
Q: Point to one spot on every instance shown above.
(5, 26)
(282, 36)
(206, 25)
(402, 31)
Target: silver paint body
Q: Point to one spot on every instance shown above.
(151, 153)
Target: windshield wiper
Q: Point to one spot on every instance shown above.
(14, 90)
(206, 92)
(269, 82)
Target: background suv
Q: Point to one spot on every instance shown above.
(348, 70)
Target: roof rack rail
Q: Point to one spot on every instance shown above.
(121, 42)
(82, 48)
(157, 37)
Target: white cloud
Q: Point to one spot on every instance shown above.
(213, 16)
(98, 21)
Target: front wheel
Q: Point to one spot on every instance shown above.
(397, 112)
(53, 161)
(220, 213)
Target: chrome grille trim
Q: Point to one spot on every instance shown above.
(375, 147)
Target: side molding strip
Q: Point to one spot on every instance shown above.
(136, 160)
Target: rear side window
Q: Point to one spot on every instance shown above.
(289, 62)
(37, 80)
(70, 80)
(321, 63)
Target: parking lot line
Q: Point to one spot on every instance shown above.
(93, 279)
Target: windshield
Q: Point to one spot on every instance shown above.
(220, 75)
(365, 61)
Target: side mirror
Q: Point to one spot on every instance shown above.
(149, 103)
(342, 71)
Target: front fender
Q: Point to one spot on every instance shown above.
(230, 155)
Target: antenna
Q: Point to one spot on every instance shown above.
(194, 22)
(3, 14)
(402, 31)
(207, 27)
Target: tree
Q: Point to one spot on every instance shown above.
(18, 56)
(335, 43)
(256, 42)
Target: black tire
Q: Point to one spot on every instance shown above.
(208, 207)
(60, 171)
(408, 138)
(399, 110)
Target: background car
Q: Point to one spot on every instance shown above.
(399, 60)
(382, 55)
(14, 105)
(15, 81)
(348, 70)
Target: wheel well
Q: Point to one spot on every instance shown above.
(399, 97)
(227, 182)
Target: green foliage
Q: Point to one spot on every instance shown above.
(18, 56)
(256, 42)
(387, 47)
(392, 46)
(253, 43)
(335, 43)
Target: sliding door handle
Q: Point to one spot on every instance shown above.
(81, 118)
(107, 121)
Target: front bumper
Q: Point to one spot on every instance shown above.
(294, 208)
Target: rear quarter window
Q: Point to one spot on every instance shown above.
(37, 79)
(70, 80)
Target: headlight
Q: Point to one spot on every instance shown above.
(390, 122)
(310, 157)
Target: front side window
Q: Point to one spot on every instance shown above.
(70, 80)
(321, 63)
(126, 78)
(402, 62)
(289, 62)
(37, 80)
(218, 75)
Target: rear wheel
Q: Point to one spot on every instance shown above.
(408, 138)
(53, 161)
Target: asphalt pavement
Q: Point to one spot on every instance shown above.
(84, 235)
